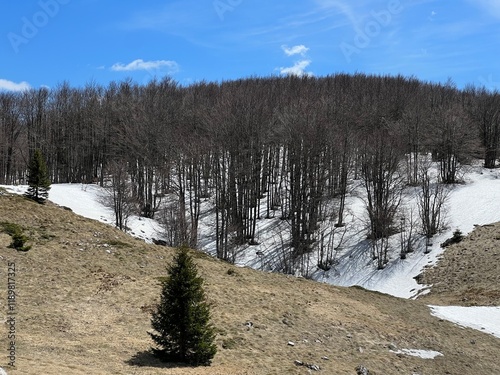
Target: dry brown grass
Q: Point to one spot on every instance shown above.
(468, 273)
(85, 292)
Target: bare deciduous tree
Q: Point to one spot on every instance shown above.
(432, 199)
(119, 194)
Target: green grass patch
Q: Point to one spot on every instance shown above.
(19, 239)
(11, 228)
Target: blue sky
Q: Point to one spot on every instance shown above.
(46, 42)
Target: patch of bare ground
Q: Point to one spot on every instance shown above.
(85, 292)
(468, 273)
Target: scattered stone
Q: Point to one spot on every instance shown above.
(287, 322)
(310, 366)
(325, 358)
(392, 346)
(313, 367)
(361, 350)
(349, 336)
(291, 343)
(362, 370)
(249, 325)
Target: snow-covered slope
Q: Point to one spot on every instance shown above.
(476, 202)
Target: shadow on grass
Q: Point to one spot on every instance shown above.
(147, 359)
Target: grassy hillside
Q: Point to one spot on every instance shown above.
(468, 273)
(85, 292)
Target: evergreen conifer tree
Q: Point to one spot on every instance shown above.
(38, 178)
(183, 331)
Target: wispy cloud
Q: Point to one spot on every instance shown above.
(295, 50)
(491, 6)
(298, 69)
(140, 64)
(7, 85)
(345, 8)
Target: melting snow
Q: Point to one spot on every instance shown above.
(484, 319)
(425, 354)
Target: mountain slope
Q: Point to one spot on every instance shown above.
(85, 292)
(468, 273)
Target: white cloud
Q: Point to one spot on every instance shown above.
(12, 86)
(298, 69)
(295, 50)
(140, 64)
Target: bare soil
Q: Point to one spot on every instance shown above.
(85, 292)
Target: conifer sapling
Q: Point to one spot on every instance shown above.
(182, 328)
(38, 178)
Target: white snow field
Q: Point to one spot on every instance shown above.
(482, 318)
(476, 202)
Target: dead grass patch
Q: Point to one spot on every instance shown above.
(468, 273)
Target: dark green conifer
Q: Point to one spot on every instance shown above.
(183, 331)
(38, 178)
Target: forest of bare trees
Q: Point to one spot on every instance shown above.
(256, 148)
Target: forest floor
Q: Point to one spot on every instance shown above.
(85, 291)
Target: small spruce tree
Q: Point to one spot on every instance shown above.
(183, 331)
(38, 178)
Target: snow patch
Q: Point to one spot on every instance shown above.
(425, 354)
(481, 318)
